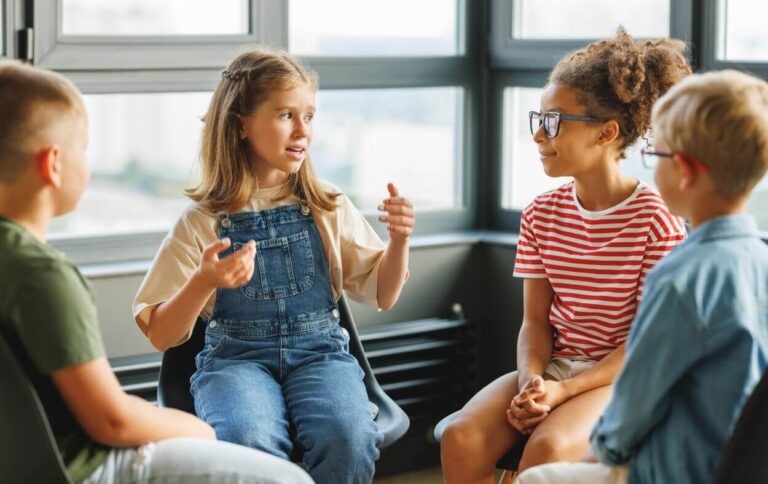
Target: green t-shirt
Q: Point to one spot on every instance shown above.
(50, 307)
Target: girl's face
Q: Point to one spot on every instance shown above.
(574, 150)
(278, 133)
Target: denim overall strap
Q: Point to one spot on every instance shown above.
(290, 291)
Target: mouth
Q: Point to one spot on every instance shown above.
(545, 155)
(296, 152)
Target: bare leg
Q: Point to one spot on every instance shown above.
(564, 434)
(480, 434)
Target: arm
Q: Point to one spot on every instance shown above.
(393, 270)
(171, 321)
(665, 343)
(600, 375)
(534, 343)
(111, 417)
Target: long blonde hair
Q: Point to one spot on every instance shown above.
(228, 180)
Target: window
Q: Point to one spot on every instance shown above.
(142, 150)
(411, 137)
(588, 19)
(147, 17)
(2, 30)
(742, 30)
(355, 28)
(522, 175)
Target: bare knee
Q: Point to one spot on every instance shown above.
(462, 437)
(547, 446)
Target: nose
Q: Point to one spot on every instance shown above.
(301, 128)
(538, 136)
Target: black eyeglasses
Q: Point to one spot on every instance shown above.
(650, 159)
(551, 121)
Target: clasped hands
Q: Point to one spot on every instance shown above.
(537, 398)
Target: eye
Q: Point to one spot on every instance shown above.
(309, 117)
(286, 115)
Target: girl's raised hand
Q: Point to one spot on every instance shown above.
(228, 272)
(400, 216)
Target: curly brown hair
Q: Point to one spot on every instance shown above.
(620, 79)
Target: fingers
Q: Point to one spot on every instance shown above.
(212, 250)
(393, 192)
(398, 220)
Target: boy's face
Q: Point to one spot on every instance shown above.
(75, 173)
(667, 176)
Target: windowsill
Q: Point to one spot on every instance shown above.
(470, 237)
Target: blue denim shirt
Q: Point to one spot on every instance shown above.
(697, 349)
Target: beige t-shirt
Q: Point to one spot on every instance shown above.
(354, 252)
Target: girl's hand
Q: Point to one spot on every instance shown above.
(400, 215)
(546, 392)
(229, 272)
(524, 415)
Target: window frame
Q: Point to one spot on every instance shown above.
(95, 70)
(55, 50)
(527, 63)
(8, 21)
(710, 40)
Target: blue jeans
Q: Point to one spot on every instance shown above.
(246, 390)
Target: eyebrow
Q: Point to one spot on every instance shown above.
(311, 108)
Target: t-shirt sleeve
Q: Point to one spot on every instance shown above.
(174, 263)
(56, 315)
(361, 253)
(665, 233)
(528, 263)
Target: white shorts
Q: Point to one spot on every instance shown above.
(561, 368)
(574, 473)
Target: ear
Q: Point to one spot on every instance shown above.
(685, 170)
(48, 163)
(241, 127)
(609, 132)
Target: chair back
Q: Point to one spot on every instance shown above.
(28, 450)
(178, 365)
(744, 456)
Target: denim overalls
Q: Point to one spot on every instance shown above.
(275, 354)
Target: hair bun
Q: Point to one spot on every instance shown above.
(627, 67)
(232, 74)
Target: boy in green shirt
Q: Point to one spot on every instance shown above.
(103, 434)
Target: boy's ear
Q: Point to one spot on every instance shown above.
(685, 170)
(49, 165)
(609, 132)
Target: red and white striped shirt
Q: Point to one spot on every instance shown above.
(596, 263)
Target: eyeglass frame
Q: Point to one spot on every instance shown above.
(646, 153)
(560, 117)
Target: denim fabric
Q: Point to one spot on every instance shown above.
(275, 357)
(697, 349)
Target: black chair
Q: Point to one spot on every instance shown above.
(28, 450)
(508, 461)
(744, 456)
(179, 364)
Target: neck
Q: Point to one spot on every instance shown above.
(28, 211)
(703, 209)
(601, 190)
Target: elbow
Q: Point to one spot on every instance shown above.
(386, 304)
(111, 428)
(157, 341)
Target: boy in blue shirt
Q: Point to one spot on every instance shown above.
(699, 344)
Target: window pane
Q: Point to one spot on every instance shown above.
(522, 175)
(745, 37)
(391, 28)
(411, 137)
(150, 17)
(758, 204)
(142, 150)
(588, 19)
(2, 28)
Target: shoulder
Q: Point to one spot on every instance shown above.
(195, 227)
(663, 225)
(560, 197)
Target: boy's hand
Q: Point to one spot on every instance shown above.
(400, 216)
(229, 272)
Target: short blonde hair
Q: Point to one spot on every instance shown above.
(28, 96)
(721, 119)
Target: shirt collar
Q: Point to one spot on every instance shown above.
(727, 226)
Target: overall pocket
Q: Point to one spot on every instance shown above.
(284, 267)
